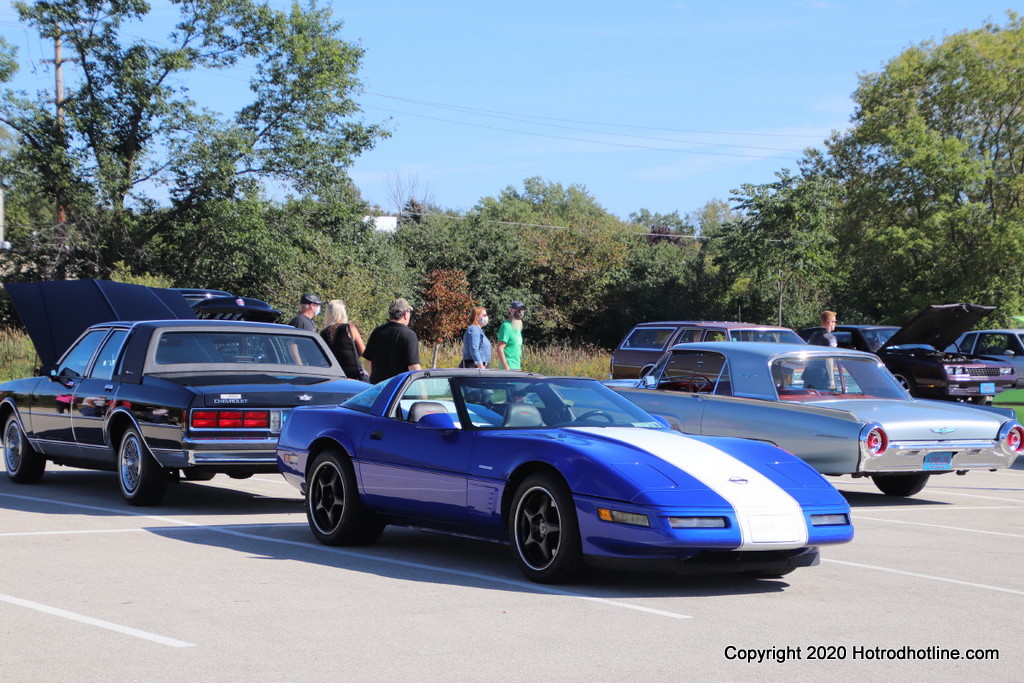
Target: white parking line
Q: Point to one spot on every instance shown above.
(937, 526)
(937, 508)
(68, 532)
(924, 576)
(975, 495)
(126, 630)
(310, 545)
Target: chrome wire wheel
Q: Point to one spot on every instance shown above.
(142, 480)
(12, 446)
(538, 528)
(129, 464)
(24, 464)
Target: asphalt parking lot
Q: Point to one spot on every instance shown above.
(225, 582)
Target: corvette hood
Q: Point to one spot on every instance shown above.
(939, 325)
(56, 313)
(920, 420)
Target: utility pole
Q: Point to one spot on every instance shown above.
(4, 244)
(58, 62)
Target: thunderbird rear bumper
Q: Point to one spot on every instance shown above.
(937, 456)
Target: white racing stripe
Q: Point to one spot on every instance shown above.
(768, 516)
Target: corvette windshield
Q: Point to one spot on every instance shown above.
(534, 403)
(816, 378)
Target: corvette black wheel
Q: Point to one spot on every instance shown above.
(24, 464)
(142, 480)
(334, 510)
(544, 530)
(900, 484)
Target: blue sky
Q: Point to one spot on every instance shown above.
(656, 105)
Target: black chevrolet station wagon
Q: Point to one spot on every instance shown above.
(155, 399)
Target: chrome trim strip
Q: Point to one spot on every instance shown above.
(941, 445)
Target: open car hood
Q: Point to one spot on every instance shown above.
(939, 325)
(56, 313)
(236, 308)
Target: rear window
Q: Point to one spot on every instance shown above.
(239, 348)
(648, 338)
(773, 336)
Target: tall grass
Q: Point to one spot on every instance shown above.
(17, 355)
(559, 359)
(18, 358)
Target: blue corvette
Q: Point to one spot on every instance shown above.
(564, 469)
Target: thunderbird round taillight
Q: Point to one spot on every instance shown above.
(1015, 439)
(874, 439)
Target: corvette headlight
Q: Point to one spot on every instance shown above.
(697, 522)
(830, 520)
(621, 517)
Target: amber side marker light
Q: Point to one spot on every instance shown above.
(632, 518)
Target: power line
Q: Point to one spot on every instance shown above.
(587, 123)
(563, 137)
(625, 135)
(541, 225)
(541, 120)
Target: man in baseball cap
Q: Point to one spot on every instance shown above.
(309, 307)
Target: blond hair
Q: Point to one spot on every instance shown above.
(335, 313)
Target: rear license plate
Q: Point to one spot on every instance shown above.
(988, 388)
(938, 461)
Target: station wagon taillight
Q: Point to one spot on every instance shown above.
(230, 419)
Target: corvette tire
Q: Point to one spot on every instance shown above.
(544, 530)
(336, 514)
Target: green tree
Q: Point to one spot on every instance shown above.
(661, 227)
(129, 125)
(932, 170)
(780, 257)
(574, 251)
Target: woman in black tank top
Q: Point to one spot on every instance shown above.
(343, 338)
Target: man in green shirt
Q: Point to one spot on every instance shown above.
(510, 338)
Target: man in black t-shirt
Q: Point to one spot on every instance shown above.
(309, 308)
(823, 335)
(392, 347)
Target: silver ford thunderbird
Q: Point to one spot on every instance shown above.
(839, 410)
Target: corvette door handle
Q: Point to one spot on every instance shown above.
(377, 435)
